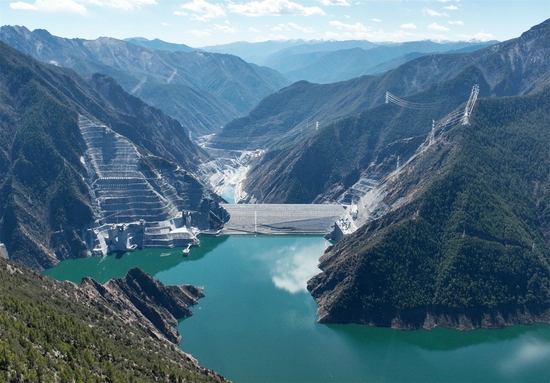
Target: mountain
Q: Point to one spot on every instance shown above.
(332, 66)
(315, 47)
(461, 236)
(322, 166)
(160, 45)
(252, 52)
(517, 66)
(53, 331)
(75, 154)
(201, 90)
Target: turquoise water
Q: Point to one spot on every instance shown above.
(229, 193)
(257, 322)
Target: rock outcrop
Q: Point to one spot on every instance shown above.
(144, 301)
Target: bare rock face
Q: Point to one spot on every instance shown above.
(146, 302)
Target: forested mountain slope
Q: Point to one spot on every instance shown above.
(465, 238)
(46, 191)
(202, 90)
(53, 331)
(517, 66)
(333, 159)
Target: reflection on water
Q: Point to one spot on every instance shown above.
(151, 261)
(294, 266)
(530, 354)
(258, 324)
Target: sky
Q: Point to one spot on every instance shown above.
(200, 23)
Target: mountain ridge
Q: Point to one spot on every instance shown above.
(233, 85)
(513, 67)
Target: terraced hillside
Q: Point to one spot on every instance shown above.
(119, 185)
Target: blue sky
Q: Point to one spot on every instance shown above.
(200, 23)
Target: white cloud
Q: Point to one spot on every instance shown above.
(280, 27)
(277, 37)
(457, 22)
(203, 10)
(360, 31)
(225, 28)
(408, 26)
(123, 4)
(357, 27)
(431, 12)
(376, 20)
(180, 13)
(482, 36)
(274, 8)
(254, 30)
(203, 33)
(301, 29)
(62, 6)
(451, 7)
(335, 2)
(437, 27)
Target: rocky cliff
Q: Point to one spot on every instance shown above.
(143, 301)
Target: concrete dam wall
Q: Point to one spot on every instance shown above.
(282, 219)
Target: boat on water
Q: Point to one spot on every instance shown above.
(185, 252)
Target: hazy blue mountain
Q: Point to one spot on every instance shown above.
(253, 52)
(315, 47)
(266, 52)
(332, 66)
(233, 86)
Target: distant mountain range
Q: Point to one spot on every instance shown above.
(513, 67)
(332, 66)
(202, 90)
(331, 61)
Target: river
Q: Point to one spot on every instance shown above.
(257, 322)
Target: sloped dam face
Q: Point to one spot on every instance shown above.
(257, 322)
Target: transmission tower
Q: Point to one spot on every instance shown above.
(470, 105)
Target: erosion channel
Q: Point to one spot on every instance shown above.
(257, 322)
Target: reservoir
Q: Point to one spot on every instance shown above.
(257, 322)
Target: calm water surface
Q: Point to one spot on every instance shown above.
(257, 322)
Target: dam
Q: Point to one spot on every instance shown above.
(281, 219)
(138, 206)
